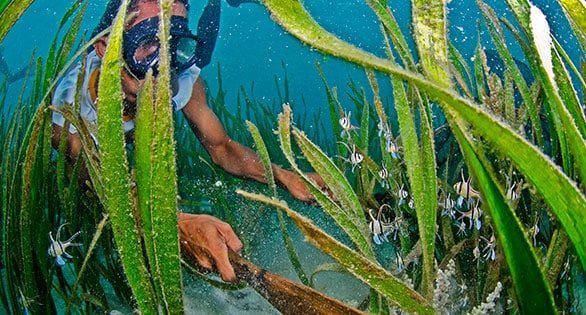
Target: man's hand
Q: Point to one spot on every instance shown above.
(206, 240)
(296, 187)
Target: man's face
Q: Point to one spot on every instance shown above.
(144, 10)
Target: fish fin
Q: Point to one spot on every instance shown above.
(59, 261)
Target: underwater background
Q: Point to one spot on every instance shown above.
(252, 48)
(258, 65)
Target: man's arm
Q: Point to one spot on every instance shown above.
(232, 156)
(72, 151)
(73, 143)
(203, 238)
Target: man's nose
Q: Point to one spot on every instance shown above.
(174, 81)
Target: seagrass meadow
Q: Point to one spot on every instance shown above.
(461, 191)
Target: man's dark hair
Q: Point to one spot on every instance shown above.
(112, 9)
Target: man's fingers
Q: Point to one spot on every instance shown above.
(235, 245)
(230, 238)
(225, 268)
(207, 239)
(204, 262)
(219, 252)
(232, 241)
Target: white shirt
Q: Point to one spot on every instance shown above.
(66, 89)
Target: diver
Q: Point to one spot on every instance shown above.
(203, 238)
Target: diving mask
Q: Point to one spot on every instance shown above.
(141, 46)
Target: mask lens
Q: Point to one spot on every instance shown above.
(146, 53)
(142, 47)
(185, 50)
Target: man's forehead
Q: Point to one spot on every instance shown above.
(145, 9)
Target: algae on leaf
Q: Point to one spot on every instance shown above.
(558, 188)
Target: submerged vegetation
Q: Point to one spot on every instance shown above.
(470, 200)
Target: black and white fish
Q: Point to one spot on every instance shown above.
(57, 248)
(346, 124)
(465, 191)
(377, 227)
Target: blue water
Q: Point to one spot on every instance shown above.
(251, 47)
